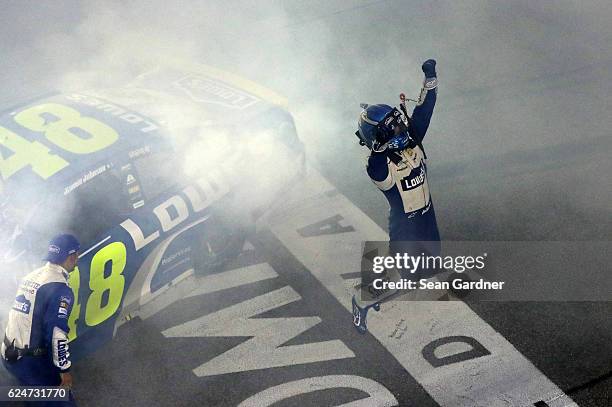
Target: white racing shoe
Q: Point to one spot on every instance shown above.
(368, 297)
(360, 315)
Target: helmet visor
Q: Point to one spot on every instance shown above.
(393, 123)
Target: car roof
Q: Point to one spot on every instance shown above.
(217, 97)
(41, 125)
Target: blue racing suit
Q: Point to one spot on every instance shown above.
(402, 177)
(38, 326)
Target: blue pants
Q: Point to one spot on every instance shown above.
(37, 371)
(418, 228)
(415, 236)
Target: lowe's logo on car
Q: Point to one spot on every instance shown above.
(204, 90)
(175, 211)
(145, 125)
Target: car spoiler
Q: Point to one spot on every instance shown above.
(239, 82)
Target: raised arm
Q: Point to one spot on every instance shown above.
(378, 170)
(423, 111)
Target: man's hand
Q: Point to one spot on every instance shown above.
(66, 380)
(429, 68)
(378, 147)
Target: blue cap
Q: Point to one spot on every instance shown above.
(60, 247)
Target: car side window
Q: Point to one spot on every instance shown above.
(96, 206)
(157, 173)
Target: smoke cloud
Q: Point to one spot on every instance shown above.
(519, 143)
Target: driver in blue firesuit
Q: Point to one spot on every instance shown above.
(397, 166)
(35, 345)
(397, 163)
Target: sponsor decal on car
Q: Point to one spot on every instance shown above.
(139, 152)
(86, 178)
(174, 256)
(204, 90)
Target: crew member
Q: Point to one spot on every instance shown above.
(35, 345)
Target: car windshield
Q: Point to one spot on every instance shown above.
(157, 172)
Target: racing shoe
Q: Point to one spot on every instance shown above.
(367, 296)
(360, 315)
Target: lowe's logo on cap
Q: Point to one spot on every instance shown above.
(60, 247)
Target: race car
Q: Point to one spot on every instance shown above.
(159, 179)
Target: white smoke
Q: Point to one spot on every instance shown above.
(523, 85)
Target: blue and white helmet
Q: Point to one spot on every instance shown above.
(378, 124)
(369, 119)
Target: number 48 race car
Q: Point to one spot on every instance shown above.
(159, 179)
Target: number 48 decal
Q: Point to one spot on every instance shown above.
(59, 132)
(97, 310)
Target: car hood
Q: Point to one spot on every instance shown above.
(177, 99)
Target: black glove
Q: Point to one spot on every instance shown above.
(429, 68)
(382, 135)
(378, 147)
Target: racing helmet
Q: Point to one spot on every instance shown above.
(378, 123)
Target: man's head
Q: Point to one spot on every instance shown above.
(63, 250)
(379, 123)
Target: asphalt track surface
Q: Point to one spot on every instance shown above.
(545, 182)
(198, 347)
